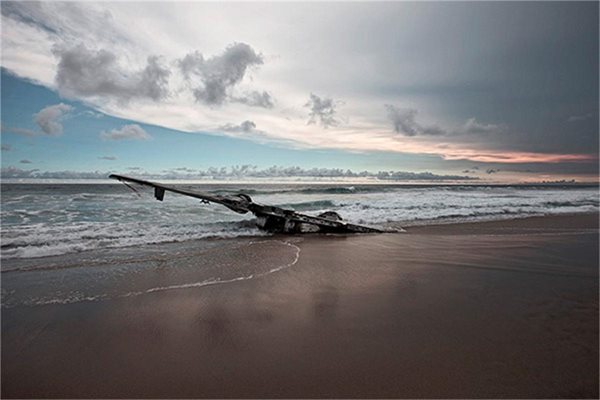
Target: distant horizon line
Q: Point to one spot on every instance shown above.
(321, 181)
(290, 174)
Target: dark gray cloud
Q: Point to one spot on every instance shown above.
(490, 171)
(6, 147)
(26, 162)
(240, 172)
(245, 127)
(108, 158)
(133, 131)
(322, 111)
(82, 72)
(49, 119)
(526, 66)
(404, 122)
(213, 79)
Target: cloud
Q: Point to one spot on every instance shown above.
(93, 114)
(322, 111)
(404, 122)
(26, 162)
(471, 82)
(185, 169)
(241, 172)
(491, 171)
(82, 72)
(213, 79)
(20, 131)
(133, 131)
(577, 118)
(6, 147)
(70, 20)
(245, 127)
(256, 99)
(49, 119)
(474, 127)
(108, 158)
(17, 173)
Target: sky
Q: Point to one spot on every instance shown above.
(493, 91)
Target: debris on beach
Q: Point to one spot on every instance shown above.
(269, 218)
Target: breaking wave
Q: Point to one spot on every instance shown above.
(42, 240)
(45, 220)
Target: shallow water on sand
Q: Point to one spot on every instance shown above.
(117, 273)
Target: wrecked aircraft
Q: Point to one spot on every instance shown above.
(269, 218)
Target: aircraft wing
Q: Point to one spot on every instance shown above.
(238, 204)
(242, 204)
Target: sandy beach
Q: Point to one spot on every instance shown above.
(486, 310)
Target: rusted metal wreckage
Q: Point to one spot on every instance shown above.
(269, 218)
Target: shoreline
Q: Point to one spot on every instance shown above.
(505, 310)
(583, 220)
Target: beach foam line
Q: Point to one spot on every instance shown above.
(217, 281)
(79, 298)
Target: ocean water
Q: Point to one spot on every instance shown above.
(52, 219)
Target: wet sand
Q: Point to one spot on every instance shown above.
(493, 310)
